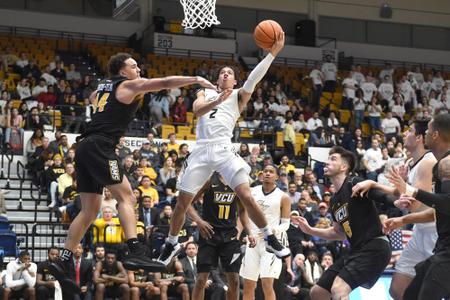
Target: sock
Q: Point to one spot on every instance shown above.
(266, 231)
(133, 245)
(173, 239)
(66, 255)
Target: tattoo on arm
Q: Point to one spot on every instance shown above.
(444, 169)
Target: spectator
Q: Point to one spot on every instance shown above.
(293, 194)
(32, 71)
(142, 285)
(322, 212)
(108, 201)
(283, 108)
(386, 91)
(148, 213)
(358, 76)
(34, 121)
(153, 146)
(172, 283)
(73, 74)
(111, 279)
(387, 71)
(332, 121)
(398, 109)
(45, 282)
(58, 72)
(72, 115)
(63, 146)
(189, 265)
(159, 106)
(298, 241)
(359, 107)
(148, 152)
(14, 128)
(329, 71)
(172, 145)
(390, 126)
(40, 88)
(244, 151)
(312, 266)
(54, 170)
(171, 187)
(289, 138)
(82, 273)
(23, 89)
(20, 278)
(314, 122)
(178, 114)
(327, 261)
(34, 142)
(21, 63)
(374, 110)
(427, 86)
(438, 81)
(8, 59)
(299, 287)
(302, 208)
(99, 253)
(407, 92)
(148, 190)
(349, 84)
(123, 150)
(372, 160)
(65, 180)
(317, 187)
(317, 78)
(167, 171)
(113, 233)
(285, 166)
(369, 88)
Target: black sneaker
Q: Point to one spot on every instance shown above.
(168, 253)
(274, 246)
(136, 261)
(60, 271)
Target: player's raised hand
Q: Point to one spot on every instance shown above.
(302, 223)
(362, 188)
(205, 229)
(224, 95)
(278, 45)
(396, 179)
(390, 225)
(205, 83)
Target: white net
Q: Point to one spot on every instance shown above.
(199, 13)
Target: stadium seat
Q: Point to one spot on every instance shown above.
(345, 116)
(166, 130)
(279, 143)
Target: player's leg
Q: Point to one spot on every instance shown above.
(267, 286)
(199, 289)
(90, 205)
(398, 285)
(137, 258)
(435, 283)
(233, 285)
(249, 289)
(319, 293)
(193, 178)
(340, 290)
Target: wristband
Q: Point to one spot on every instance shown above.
(411, 191)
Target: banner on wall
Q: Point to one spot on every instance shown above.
(131, 142)
(177, 41)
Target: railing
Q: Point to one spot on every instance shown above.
(9, 155)
(22, 233)
(194, 53)
(21, 171)
(210, 32)
(45, 235)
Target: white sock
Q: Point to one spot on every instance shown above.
(173, 239)
(266, 231)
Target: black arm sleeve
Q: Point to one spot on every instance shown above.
(380, 196)
(441, 201)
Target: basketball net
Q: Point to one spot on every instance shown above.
(199, 13)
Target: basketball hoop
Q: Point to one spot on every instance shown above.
(199, 13)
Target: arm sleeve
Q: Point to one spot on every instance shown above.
(441, 201)
(379, 196)
(258, 73)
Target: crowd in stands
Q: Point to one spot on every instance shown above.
(385, 101)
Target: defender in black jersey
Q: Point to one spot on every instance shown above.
(433, 275)
(355, 219)
(219, 234)
(115, 103)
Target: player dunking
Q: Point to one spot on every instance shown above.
(257, 262)
(218, 235)
(433, 274)
(419, 175)
(355, 219)
(97, 165)
(213, 152)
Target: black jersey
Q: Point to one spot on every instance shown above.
(358, 216)
(111, 117)
(220, 205)
(442, 220)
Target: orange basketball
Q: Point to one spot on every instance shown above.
(266, 32)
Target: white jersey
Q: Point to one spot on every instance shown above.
(219, 123)
(412, 172)
(270, 205)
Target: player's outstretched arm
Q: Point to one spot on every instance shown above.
(424, 216)
(259, 71)
(334, 233)
(129, 89)
(201, 106)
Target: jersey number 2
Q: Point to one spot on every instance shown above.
(224, 212)
(212, 115)
(99, 105)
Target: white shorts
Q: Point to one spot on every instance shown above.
(418, 249)
(257, 262)
(206, 158)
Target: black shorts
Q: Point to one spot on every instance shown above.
(362, 267)
(432, 278)
(97, 164)
(224, 245)
(113, 291)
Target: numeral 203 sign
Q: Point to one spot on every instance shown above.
(164, 41)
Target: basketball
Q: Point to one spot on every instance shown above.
(266, 32)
